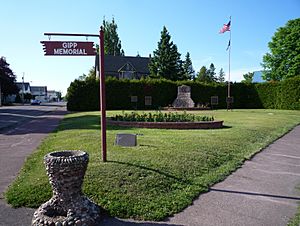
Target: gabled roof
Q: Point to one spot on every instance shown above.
(118, 63)
(20, 85)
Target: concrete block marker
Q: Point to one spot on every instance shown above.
(126, 139)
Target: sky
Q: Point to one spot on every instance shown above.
(193, 25)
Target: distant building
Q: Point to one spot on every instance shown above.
(53, 96)
(257, 77)
(126, 66)
(24, 87)
(39, 93)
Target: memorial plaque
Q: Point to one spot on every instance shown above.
(148, 100)
(229, 100)
(134, 99)
(214, 100)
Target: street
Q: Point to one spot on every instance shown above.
(22, 128)
(11, 116)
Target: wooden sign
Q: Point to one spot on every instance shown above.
(68, 48)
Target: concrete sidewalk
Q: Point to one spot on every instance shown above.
(262, 192)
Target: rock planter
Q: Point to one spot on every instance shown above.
(68, 206)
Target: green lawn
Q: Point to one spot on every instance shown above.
(164, 173)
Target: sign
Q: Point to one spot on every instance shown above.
(148, 100)
(229, 100)
(68, 48)
(134, 99)
(214, 100)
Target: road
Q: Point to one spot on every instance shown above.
(22, 128)
(11, 116)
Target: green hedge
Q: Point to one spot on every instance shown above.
(84, 95)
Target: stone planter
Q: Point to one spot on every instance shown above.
(67, 206)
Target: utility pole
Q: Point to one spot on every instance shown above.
(23, 88)
(0, 95)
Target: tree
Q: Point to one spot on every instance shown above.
(188, 70)
(211, 73)
(7, 79)
(283, 61)
(166, 62)
(207, 75)
(202, 74)
(112, 43)
(221, 78)
(248, 78)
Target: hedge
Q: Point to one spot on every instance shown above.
(84, 95)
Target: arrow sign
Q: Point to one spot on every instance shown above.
(68, 48)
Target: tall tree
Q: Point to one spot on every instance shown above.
(283, 61)
(166, 62)
(188, 70)
(248, 78)
(211, 73)
(202, 74)
(221, 77)
(112, 43)
(7, 79)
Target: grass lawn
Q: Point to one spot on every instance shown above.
(164, 173)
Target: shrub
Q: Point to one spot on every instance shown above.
(161, 117)
(84, 95)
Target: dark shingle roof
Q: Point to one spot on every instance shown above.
(20, 85)
(115, 63)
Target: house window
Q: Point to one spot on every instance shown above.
(127, 74)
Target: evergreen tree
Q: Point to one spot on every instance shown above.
(112, 43)
(7, 79)
(188, 70)
(248, 78)
(166, 62)
(221, 77)
(202, 75)
(211, 73)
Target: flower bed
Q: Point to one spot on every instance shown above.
(165, 121)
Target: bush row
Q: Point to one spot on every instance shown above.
(84, 95)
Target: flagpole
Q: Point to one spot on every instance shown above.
(228, 94)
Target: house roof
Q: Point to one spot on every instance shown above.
(117, 63)
(20, 85)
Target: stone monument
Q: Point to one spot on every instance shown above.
(183, 99)
(68, 206)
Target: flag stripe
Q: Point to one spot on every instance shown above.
(226, 27)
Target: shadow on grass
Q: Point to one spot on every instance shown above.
(183, 181)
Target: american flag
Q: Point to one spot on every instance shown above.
(226, 27)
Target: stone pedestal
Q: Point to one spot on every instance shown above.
(183, 99)
(68, 206)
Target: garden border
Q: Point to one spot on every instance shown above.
(169, 125)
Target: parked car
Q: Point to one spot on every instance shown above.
(35, 102)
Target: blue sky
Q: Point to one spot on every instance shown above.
(192, 24)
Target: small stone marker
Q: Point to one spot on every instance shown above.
(126, 139)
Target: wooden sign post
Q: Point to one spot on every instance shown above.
(76, 48)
